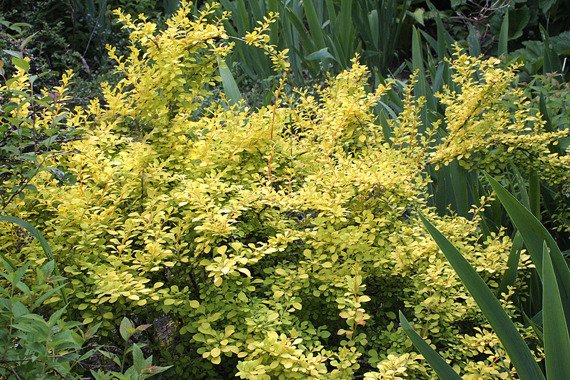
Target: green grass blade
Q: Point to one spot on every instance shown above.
(473, 42)
(518, 351)
(39, 237)
(556, 338)
(551, 61)
(314, 24)
(32, 230)
(229, 83)
(170, 6)
(373, 27)
(417, 55)
(534, 194)
(534, 234)
(536, 327)
(459, 185)
(503, 49)
(443, 370)
(242, 17)
(510, 275)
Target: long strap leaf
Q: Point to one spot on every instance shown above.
(510, 275)
(518, 351)
(38, 236)
(229, 83)
(443, 370)
(556, 337)
(534, 235)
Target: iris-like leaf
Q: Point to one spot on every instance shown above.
(556, 337)
(229, 83)
(36, 234)
(535, 235)
(443, 370)
(518, 351)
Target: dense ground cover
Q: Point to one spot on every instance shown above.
(282, 241)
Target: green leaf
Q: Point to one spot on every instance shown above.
(21, 63)
(551, 60)
(510, 275)
(534, 193)
(457, 3)
(315, 26)
(518, 20)
(545, 5)
(443, 370)
(19, 309)
(170, 6)
(43, 242)
(138, 359)
(556, 337)
(56, 317)
(33, 231)
(320, 55)
(126, 329)
(518, 351)
(154, 370)
(417, 55)
(534, 234)
(418, 15)
(229, 83)
(459, 184)
(13, 53)
(536, 325)
(502, 49)
(473, 41)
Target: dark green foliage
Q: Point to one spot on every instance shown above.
(31, 345)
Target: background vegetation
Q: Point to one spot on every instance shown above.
(262, 204)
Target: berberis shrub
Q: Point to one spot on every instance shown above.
(271, 243)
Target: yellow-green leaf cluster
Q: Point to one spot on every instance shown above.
(282, 238)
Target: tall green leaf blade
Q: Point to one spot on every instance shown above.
(229, 83)
(39, 237)
(532, 231)
(534, 234)
(551, 61)
(545, 113)
(556, 337)
(518, 351)
(305, 38)
(242, 17)
(510, 275)
(504, 36)
(473, 40)
(32, 230)
(417, 55)
(314, 24)
(345, 30)
(443, 370)
(421, 87)
(534, 194)
(373, 27)
(170, 6)
(459, 185)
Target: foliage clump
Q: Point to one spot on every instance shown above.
(492, 126)
(279, 242)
